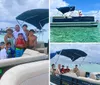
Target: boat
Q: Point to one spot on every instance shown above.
(32, 68)
(71, 78)
(25, 70)
(72, 21)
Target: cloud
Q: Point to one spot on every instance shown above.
(60, 3)
(95, 13)
(5, 25)
(57, 3)
(10, 9)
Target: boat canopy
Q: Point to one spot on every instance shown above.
(73, 54)
(36, 17)
(66, 9)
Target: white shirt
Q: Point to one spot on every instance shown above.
(3, 54)
(15, 33)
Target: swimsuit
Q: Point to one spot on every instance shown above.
(19, 51)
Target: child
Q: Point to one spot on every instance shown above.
(62, 69)
(9, 50)
(32, 39)
(20, 45)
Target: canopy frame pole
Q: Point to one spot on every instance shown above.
(19, 23)
(42, 20)
(82, 61)
(41, 25)
(58, 57)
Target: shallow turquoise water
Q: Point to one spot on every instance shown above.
(75, 34)
(1, 37)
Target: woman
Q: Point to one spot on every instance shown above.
(9, 37)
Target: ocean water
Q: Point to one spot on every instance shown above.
(75, 34)
(2, 37)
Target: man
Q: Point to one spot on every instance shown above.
(76, 69)
(17, 31)
(32, 39)
(25, 29)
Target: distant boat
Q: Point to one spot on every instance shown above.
(72, 21)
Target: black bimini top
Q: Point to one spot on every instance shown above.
(66, 9)
(73, 54)
(36, 17)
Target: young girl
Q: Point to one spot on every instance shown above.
(20, 45)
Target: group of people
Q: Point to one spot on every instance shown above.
(62, 69)
(18, 40)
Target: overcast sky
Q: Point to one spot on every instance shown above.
(9, 9)
(86, 6)
(92, 50)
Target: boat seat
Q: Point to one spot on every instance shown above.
(82, 73)
(70, 74)
(42, 50)
(40, 44)
(28, 56)
(34, 73)
(79, 73)
(92, 76)
(29, 52)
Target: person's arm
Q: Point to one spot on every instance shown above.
(24, 44)
(35, 42)
(27, 42)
